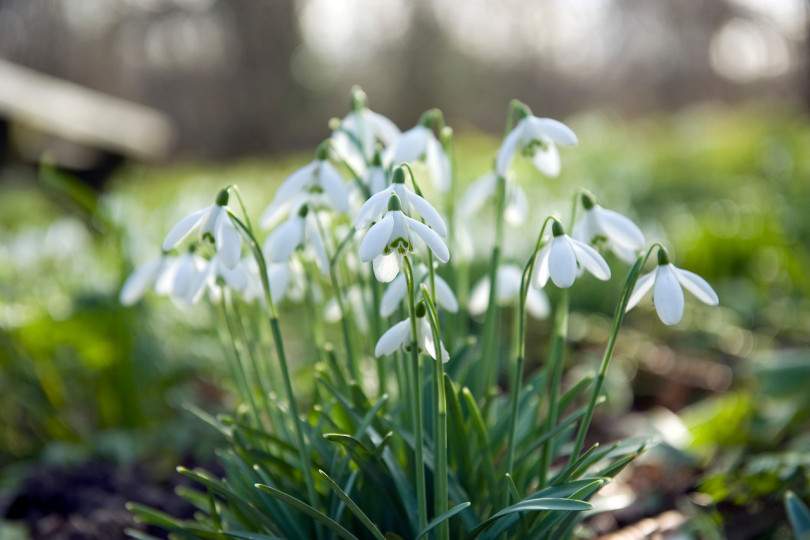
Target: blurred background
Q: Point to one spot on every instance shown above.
(692, 117)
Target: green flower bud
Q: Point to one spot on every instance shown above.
(399, 175)
(588, 201)
(557, 228)
(222, 197)
(394, 204)
(663, 257)
(420, 310)
(322, 153)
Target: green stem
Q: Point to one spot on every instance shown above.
(247, 391)
(489, 372)
(618, 317)
(416, 401)
(556, 360)
(440, 427)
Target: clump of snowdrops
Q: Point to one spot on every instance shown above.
(411, 432)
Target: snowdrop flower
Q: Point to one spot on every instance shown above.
(388, 240)
(561, 259)
(400, 335)
(420, 142)
(507, 292)
(375, 177)
(358, 133)
(516, 209)
(618, 233)
(398, 290)
(666, 282)
(537, 137)
(214, 274)
(176, 279)
(212, 222)
(318, 181)
(291, 234)
(377, 205)
(142, 278)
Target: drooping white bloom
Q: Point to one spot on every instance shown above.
(400, 336)
(418, 143)
(142, 278)
(207, 279)
(176, 279)
(358, 133)
(667, 282)
(507, 291)
(212, 222)
(618, 233)
(279, 277)
(516, 209)
(536, 136)
(290, 235)
(562, 258)
(398, 290)
(388, 240)
(312, 184)
(377, 205)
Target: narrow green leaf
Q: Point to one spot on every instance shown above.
(150, 516)
(533, 505)
(350, 504)
(308, 510)
(139, 535)
(546, 524)
(798, 515)
(442, 518)
(248, 535)
(481, 430)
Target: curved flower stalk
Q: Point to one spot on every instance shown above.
(536, 137)
(398, 290)
(214, 223)
(562, 258)
(401, 336)
(516, 205)
(667, 283)
(290, 235)
(357, 134)
(420, 143)
(388, 240)
(507, 291)
(601, 226)
(143, 278)
(314, 184)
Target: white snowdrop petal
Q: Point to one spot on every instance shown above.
(209, 222)
(393, 338)
(283, 241)
(643, 284)
(618, 228)
(183, 277)
(273, 214)
(235, 277)
(372, 209)
(376, 180)
(139, 281)
(546, 159)
(431, 239)
(479, 298)
(376, 238)
(554, 129)
(165, 276)
(668, 295)
(227, 241)
(278, 274)
(429, 345)
(438, 164)
(590, 259)
(517, 206)
(697, 286)
(334, 187)
(477, 193)
(428, 213)
(386, 267)
(179, 232)
(507, 280)
(295, 182)
(201, 281)
(393, 295)
(562, 262)
(445, 296)
(411, 145)
(540, 274)
(318, 246)
(508, 148)
(537, 303)
(385, 130)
